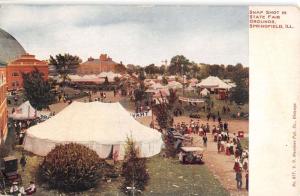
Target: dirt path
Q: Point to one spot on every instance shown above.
(221, 166)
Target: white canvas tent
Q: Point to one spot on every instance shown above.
(103, 127)
(213, 82)
(204, 92)
(24, 112)
(174, 85)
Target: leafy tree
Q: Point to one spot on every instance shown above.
(179, 65)
(240, 94)
(65, 64)
(37, 90)
(164, 111)
(139, 93)
(117, 79)
(134, 168)
(162, 69)
(120, 68)
(152, 69)
(142, 76)
(106, 82)
(164, 81)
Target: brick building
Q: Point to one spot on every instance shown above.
(26, 63)
(3, 103)
(96, 66)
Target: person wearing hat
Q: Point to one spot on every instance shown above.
(31, 189)
(14, 189)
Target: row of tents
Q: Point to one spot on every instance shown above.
(209, 83)
(100, 78)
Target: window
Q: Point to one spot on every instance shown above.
(15, 83)
(15, 74)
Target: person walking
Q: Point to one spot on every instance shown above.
(204, 140)
(247, 180)
(238, 178)
(23, 161)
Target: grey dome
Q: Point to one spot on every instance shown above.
(10, 48)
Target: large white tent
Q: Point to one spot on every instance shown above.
(103, 127)
(213, 82)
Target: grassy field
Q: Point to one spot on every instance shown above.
(167, 177)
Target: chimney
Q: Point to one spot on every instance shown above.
(103, 57)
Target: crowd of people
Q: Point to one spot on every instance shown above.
(226, 143)
(18, 190)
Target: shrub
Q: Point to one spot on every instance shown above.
(70, 167)
(134, 168)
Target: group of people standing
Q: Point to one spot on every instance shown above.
(231, 146)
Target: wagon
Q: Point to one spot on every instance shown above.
(191, 155)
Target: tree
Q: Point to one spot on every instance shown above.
(106, 82)
(120, 68)
(65, 64)
(37, 90)
(164, 111)
(134, 168)
(117, 79)
(152, 69)
(240, 94)
(142, 76)
(139, 93)
(164, 81)
(179, 65)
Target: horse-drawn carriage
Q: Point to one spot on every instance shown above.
(191, 155)
(9, 172)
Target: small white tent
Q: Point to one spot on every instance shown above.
(103, 127)
(24, 112)
(174, 85)
(204, 92)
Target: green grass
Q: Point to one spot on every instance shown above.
(167, 177)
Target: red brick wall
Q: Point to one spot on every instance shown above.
(19, 69)
(3, 104)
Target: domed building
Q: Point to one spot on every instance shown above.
(10, 48)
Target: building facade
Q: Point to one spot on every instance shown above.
(3, 104)
(96, 66)
(26, 63)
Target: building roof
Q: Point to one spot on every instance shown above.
(10, 48)
(92, 61)
(28, 59)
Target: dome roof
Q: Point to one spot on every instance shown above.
(10, 48)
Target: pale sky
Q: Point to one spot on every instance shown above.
(138, 35)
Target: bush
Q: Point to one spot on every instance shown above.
(71, 167)
(134, 168)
